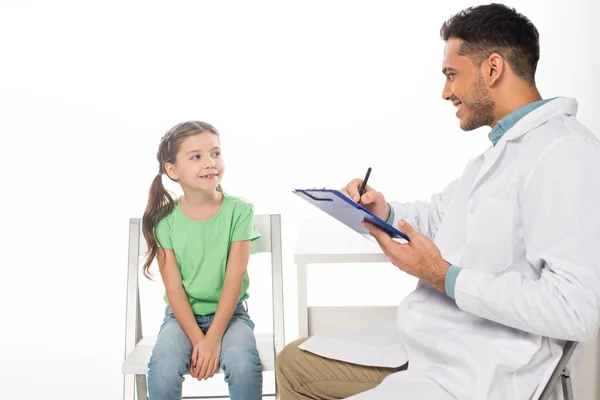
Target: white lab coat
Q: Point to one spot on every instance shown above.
(524, 223)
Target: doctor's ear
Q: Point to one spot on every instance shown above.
(493, 67)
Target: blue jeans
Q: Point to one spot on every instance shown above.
(239, 357)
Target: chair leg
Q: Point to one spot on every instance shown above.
(128, 387)
(566, 385)
(142, 387)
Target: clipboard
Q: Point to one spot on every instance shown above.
(348, 212)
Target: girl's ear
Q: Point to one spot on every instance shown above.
(171, 171)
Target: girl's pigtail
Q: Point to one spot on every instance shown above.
(160, 204)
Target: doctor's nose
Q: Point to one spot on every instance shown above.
(447, 91)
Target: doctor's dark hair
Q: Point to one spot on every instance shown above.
(160, 202)
(496, 28)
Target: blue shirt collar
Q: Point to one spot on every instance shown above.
(511, 119)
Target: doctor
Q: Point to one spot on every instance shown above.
(507, 256)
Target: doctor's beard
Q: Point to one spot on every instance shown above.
(480, 106)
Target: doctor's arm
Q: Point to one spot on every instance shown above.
(561, 220)
(424, 216)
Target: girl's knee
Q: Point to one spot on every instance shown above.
(241, 362)
(166, 369)
(171, 355)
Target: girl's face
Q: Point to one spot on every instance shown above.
(198, 164)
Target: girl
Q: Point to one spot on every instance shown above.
(202, 244)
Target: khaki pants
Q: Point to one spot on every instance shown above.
(303, 375)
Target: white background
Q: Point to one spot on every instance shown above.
(305, 94)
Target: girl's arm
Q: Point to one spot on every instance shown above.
(237, 263)
(205, 357)
(178, 299)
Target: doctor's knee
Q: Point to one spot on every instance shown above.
(289, 356)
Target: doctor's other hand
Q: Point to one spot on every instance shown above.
(420, 257)
(371, 199)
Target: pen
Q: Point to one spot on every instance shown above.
(361, 191)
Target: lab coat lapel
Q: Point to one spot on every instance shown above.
(491, 156)
(558, 106)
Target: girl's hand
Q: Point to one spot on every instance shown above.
(205, 357)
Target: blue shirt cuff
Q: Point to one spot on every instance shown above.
(451, 276)
(392, 215)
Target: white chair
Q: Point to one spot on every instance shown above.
(139, 348)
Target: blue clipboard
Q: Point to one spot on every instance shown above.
(347, 211)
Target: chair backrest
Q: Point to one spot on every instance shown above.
(557, 374)
(264, 243)
(269, 226)
(260, 245)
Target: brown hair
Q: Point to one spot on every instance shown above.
(497, 28)
(160, 202)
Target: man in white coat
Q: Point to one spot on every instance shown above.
(507, 256)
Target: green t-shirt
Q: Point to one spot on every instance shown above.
(202, 249)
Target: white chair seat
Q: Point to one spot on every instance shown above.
(136, 362)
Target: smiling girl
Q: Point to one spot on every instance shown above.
(202, 244)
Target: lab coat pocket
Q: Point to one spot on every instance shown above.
(490, 237)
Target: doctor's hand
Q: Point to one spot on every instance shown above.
(371, 199)
(420, 257)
